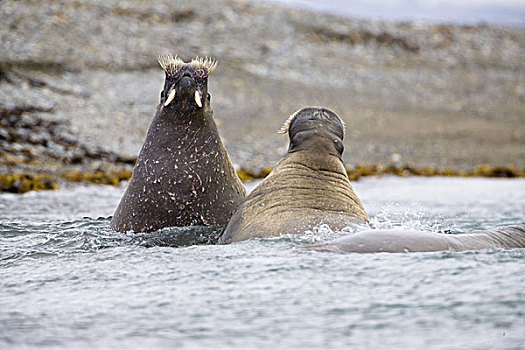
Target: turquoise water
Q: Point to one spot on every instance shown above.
(67, 281)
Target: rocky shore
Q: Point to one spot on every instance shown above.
(79, 83)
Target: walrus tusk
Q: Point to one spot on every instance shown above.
(198, 98)
(170, 98)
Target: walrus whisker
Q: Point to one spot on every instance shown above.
(169, 60)
(286, 124)
(207, 63)
(172, 63)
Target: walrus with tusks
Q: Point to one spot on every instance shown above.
(183, 175)
(309, 186)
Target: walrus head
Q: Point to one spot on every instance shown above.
(315, 128)
(186, 84)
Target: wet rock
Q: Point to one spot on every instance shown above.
(74, 156)
(41, 138)
(5, 135)
(66, 137)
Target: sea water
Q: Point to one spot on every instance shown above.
(68, 281)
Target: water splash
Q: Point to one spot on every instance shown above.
(412, 217)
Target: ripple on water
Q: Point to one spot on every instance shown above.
(69, 281)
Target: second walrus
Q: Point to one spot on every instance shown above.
(308, 187)
(183, 175)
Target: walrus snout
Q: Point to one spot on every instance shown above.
(190, 91)
(186, 88)
(186, 84)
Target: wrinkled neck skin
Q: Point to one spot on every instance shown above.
(317, 181)
(315, 168)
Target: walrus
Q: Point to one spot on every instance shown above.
(183, 175)
(397, 241)
(308, 186)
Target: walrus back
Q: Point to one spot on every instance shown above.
(398, 241)
(305, 190)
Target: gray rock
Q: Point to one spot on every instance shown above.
(442, 95)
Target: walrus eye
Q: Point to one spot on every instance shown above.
(208, 96)
(162, 94)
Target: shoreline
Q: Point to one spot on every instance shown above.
(23, 182)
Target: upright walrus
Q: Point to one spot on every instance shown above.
(308, 186)
(183, 174)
